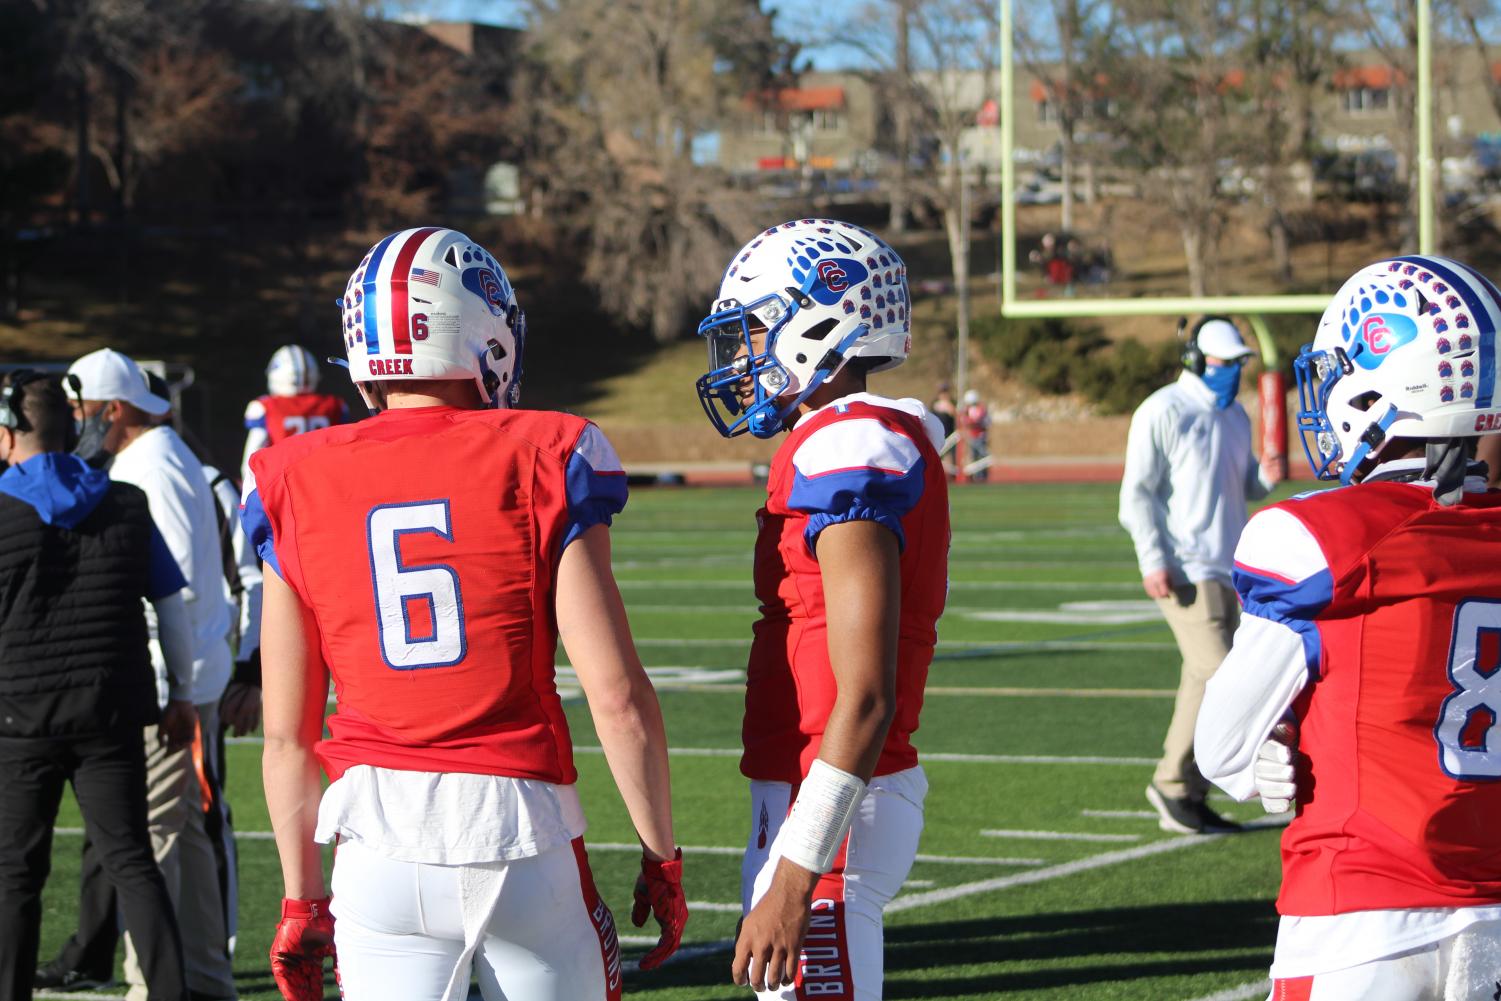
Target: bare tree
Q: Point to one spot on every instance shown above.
(1053, 41)
(1391, 27)
(1290, 54)
(617, 95)
(955, 44)
(1173, 70)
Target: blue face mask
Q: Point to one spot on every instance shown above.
(1224, 382)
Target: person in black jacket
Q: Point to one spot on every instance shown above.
(78, 553)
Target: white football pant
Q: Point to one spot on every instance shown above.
(535, 928)
(1463, 967)
(843, 953)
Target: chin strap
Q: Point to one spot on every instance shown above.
(1445, 462)
(1370, 442)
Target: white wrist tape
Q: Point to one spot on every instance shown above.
(821, 817)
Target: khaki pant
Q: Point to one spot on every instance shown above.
(1203, 617)
(175, 801)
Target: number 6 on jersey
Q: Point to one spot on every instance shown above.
(398, 586)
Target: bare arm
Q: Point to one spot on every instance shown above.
(295, 692)
(593, 627)
(860, 565)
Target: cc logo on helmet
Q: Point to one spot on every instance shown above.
(1379, 335)
(833, 276)
(484, 283)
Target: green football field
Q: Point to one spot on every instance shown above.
(1042, 873)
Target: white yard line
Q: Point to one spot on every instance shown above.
(1022, 693)
(1121, 814)
(948, 893)
(972, 759)
(954, 585)
(1054, 693)
(1000, 646)
(1058, 836)
(735, 851)
(1256, 989)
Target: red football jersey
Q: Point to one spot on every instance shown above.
(284, 416)
(1404, 803)
(863, 458)
(426, 543)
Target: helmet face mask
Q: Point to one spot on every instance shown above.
(796, 304)
(1406, 349)
(745, 378)
(432, 304)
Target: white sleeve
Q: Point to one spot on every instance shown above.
(247, 565)
(174, 634)
(169, 502)
(1283, 580)
(1254, 686)
(256, 438)
(1143, 512)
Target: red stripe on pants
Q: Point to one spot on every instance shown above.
(824, 968)
(1292, 989)
(603, 921)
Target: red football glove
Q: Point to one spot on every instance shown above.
(304, 938)
(659, 891)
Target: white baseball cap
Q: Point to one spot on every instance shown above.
(106, 374)
(1220, 339)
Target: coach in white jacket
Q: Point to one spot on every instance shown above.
(1189, 471)
(116, 412)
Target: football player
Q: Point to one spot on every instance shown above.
(291, 404)
(851, 565)
(429, 559)
(1362, 685)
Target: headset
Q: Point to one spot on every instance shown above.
(11, 394)
(1192, 356)
(10, 397)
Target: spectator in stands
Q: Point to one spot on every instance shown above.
(974, 429)
(78, 554)
(116, 414)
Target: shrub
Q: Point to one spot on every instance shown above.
(1058, 356)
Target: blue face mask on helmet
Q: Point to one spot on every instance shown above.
(1223, 381)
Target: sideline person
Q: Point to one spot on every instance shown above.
(78, 555)
(1189, 472)
(1362, 685)
(481, 536)
(851, 570)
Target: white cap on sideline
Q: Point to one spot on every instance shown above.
(1220, 339)
(106, 374)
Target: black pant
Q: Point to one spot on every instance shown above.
(108, 772)
(91, 948)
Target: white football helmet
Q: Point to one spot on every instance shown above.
(431, 303)
(292, 370)
(1406, 349)
(825, 292)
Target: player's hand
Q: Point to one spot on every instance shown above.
(178, 724)
(304, 938)
(1276, 769)
(659, 892)
(771, 936)
(1157, 584)
(240, 709)
(1271, 471)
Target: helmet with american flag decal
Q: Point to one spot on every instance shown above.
(430, 303)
